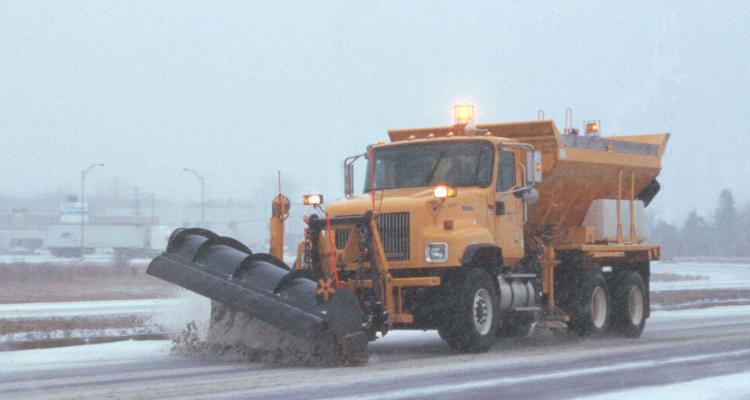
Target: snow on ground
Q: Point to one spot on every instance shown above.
(111, 351)
(726, 387)
(88, 334)
(714, 275)
(163, 315)
(48, 258)
(84, 356)
(186, 307)
(87, 308)
(130, 350)
(139, 261)
(702, 313)
(51, 259)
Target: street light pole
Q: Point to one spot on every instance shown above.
(203, 193)
(84, 173)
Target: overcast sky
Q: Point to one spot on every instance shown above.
(239, 90)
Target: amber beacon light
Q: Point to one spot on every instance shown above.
(463, 114)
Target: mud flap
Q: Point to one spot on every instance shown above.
(262, 287)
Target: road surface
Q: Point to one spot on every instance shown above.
(706, 351)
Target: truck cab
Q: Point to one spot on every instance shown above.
(441, 200)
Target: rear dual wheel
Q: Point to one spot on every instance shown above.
(590, 306)
(620, 308)
(630, 305)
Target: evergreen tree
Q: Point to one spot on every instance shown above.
(695, 236)
(743, 248)
(726, 225)
(668, 237)
(727, 234)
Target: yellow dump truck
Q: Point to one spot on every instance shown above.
(477, 231)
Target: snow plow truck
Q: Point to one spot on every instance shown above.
(474, 230)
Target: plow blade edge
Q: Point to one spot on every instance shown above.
(265, 288)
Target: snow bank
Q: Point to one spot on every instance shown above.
(719, 275)
(83, 356)
(702, 313)
(59, 334)
(87, 308)
(49, 258)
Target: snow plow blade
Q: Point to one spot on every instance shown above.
(265, 288)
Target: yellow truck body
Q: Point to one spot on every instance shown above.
(576, 170)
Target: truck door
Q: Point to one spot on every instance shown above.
(509, 210)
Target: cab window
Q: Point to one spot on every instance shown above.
(453, 163)
(506, 176)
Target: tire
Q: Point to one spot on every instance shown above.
(629, 305)
(515, 325)
(448, 292)
(472, 315)
(591, 306)
(446, 333)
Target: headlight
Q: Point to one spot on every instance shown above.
(442, 192)
(312, 199)
(436, 252)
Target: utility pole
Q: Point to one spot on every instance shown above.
(203, 193)
(153, 214)
(136, 202)
(84, 173)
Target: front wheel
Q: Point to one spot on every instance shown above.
(472, 317)
(629, 305)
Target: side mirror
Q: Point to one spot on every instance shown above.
(534, 167)
(530, 196)
(348, 179)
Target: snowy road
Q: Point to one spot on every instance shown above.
(709, 348)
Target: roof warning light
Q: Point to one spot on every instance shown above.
(463, 114)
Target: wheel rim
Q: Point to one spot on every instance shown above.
(635, 305)
(482, 311)
(598, 307)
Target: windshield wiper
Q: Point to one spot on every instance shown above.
(434, 168)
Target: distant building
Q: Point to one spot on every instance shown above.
(115, 224)
(120, 233)
(24, 232)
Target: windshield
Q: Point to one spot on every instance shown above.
(426, 164)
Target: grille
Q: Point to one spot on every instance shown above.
(341, 236)
(394, 232)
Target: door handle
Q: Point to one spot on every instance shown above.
(499, 208)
